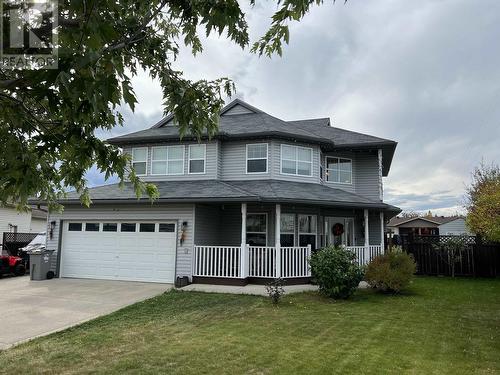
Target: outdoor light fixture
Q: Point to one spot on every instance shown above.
(183, 232)
(52, 227)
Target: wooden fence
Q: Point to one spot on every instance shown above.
(477, 258)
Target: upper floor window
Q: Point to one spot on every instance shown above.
(296, 160)
(140, 160)
(197, 158)
(257, 158)
(339, 170)
(167, 160)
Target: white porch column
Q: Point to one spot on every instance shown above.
(367, 239)
(277, 235)
(244, 248)
(382, 234)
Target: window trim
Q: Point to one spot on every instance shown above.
(307, 233)
(140, 161)
(167, 160)
(204, 158)
(296, 147)
(267, 225)
(328, 169)
(247, 159)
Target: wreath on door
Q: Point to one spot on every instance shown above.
(338, 229)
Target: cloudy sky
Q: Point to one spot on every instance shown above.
(423, 73)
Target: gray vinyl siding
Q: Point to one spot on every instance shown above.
(207, 224)
(227, 161)
(234, 161)
(237, 110)
(230, 228)
(366, 176)
(374, 228)
(454, 227)
(210, 163)
(171, 212)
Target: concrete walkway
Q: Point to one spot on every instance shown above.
(29, 309)
(258, 290)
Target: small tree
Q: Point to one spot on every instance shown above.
(483, 202)
(451, 250)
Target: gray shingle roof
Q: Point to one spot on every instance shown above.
(240, 191)
(341, 137)
(438, 220)
(259, 124)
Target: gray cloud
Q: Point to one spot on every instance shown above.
(422, 73)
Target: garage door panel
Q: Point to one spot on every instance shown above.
(135, 256)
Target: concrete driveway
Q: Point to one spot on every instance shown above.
(30, 309)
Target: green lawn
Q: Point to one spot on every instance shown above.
(440, 325)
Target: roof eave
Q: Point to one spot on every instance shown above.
(374, 205)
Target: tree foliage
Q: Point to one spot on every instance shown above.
(49, 118)
(452, 250)
(483, 202)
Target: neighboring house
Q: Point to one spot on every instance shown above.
(249, 203)
(32, 221)
(435, 225)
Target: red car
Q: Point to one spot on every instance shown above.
(10, 264)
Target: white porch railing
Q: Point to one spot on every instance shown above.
(295, 261)
(261, 261)
(225, 261)
(364, 254)
(217, 261)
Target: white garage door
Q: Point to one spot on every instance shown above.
(116, 250)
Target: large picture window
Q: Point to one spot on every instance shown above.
(168, 160)
(257, 158)
(307, 230)
(140, 160)
(296, 160)
(197, 158)
(257, 229)
(287, 230)
(339, 170)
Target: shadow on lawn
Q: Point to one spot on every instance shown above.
(367, 295)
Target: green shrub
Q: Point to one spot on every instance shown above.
(336, 272)
(390, 272)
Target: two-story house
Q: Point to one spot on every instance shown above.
(247, 204)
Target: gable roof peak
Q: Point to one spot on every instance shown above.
(238, 102)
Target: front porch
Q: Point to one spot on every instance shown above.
(277, 240)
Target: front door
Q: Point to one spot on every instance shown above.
(339, 231)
